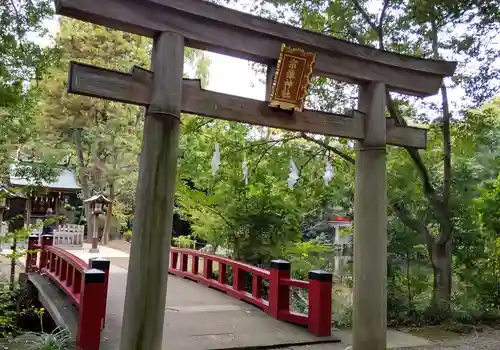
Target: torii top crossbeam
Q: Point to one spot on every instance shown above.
(219, 29)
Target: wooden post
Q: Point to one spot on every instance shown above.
(47, 240)
(320, 303)
(145, 298)
(31, 258)
(92, 304)
(370, 225)
(102, 264)
(279, 294)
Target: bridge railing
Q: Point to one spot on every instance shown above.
(85, 284)
(199, 266)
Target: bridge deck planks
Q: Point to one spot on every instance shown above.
(200, 318)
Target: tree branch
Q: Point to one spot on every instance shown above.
(274, 143)
(335, 150)
(309, 160)
(380, 27)
(365, 15)
(412, 223)
(383, 13)
(257, 144)
(447, 225)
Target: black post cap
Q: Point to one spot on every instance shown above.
(99, 263)
(33, 237)
(48, 237)
(280, 265)
(320, 275)
(93, 276)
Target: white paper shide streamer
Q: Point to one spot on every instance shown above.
(216, 159)
(328, 172)
(244, 167)
(294, 174)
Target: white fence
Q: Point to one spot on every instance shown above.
(69, 236)
(65, 236)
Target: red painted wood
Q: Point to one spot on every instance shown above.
(103, 265)
(77, 282)
(256, 285)
(320, 308)
(207, 268)
(184, 262)
(279, 293)
(222, 273)
(69, 280)
(173, 259)
(295, 283)
(238, 278)
(31, 257)
(64, 271)
(87, 294)
(318, 320)
(90, 312)
(196, 264)
(44, 258)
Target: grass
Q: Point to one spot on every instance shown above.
(59, 339)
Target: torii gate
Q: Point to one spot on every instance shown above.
(202, 25)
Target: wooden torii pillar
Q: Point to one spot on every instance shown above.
(203, 25)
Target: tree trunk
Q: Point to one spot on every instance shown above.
(109, 214)
(84, 181)
(441, 259)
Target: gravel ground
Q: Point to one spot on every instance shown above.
(486, 340)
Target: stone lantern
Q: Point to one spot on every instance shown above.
(97, 205)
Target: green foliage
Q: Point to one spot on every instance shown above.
(58, 339)
(22, 58)
(184, 242)
(257, 220)
(8, 313)
(128, 235)
(307, 256)
(103, 137)
(23, 62)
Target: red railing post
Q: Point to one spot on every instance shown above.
(207, 268)
(184, 262)
(222, 273)
(238, 278)
(256, 284)
(31, 257)
(279, 294)
(173, 260)
(47, 241)
(102, 264)
(90, 310)
(320, 303)
(196, 264)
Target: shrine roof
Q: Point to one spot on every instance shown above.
(66, 180)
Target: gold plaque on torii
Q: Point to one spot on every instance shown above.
(291, 80)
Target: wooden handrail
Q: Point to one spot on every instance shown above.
(186, 263)
(85, 284)
(71, 259)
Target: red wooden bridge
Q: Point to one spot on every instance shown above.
(252, 311)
